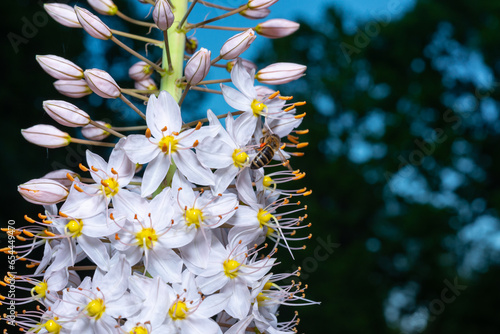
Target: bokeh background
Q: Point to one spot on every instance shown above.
(403, 113)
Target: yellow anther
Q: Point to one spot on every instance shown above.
(194, 216)
(95, 308)
(146, 237)
(240, 158)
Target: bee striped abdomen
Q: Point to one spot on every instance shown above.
(262, 158)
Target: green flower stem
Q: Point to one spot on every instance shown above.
(176, 42)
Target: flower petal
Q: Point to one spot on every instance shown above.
(140, 149)
(155, 173)
(189, 166)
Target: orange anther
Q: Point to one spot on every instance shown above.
(83, 168)
(148, 133)
(114, 171)
(293, 139)
(196, 143)
(299, 116)
(307, 193)
(298, 104)
(28, 233)
(78, 188)
(42, 216)
(28, 219)
(273, 95)
(175, 133)
(285, 98)
(301, 145)
(300, 191)
(198, 126)
(94, 169)
(302, 132)
(50, 234)
(117, 237)
(296, 154)
(20, 238)
(68, 175)
(289, 108)
(63, 214)
(111, 216)
(164, 129)
(104, 183)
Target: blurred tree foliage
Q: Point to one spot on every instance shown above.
(404, 126)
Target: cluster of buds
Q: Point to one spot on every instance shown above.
(182, 221)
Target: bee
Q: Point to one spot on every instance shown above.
(270, 144)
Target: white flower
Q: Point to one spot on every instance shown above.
(246, 98)
(88, 200)
(166, 142)
(232, 269)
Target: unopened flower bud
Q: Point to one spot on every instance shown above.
(73, 88)
(247, 64)
(46, 136)
(102, 83)
(140, 71)
(276, 28)
(60, 176)
(60, 68)
(280, 73)
(258, 4)
(92, 24)
(197, 67)
(237, 44)
(191, 45)
(146, 84)
(255, 14)
(163, 15)
(105, 7)
(62, 14)
(66, 113)
(94, 133)
(43, 191)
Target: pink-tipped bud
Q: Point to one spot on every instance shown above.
(94, 133)
(46, 136)
(62, 14)
(140, 71)
(258, 4)
(104, 7)
(92, 24)
(146, 84)
(276, 28)
(73, 88)
(163, 15)
(60, 176)
(43, 191)
(237, 44)
(247, 64)
(66, 113)
(102, 83)
(280, 73)
(59, 67)
(197, 67)
(255, 14)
